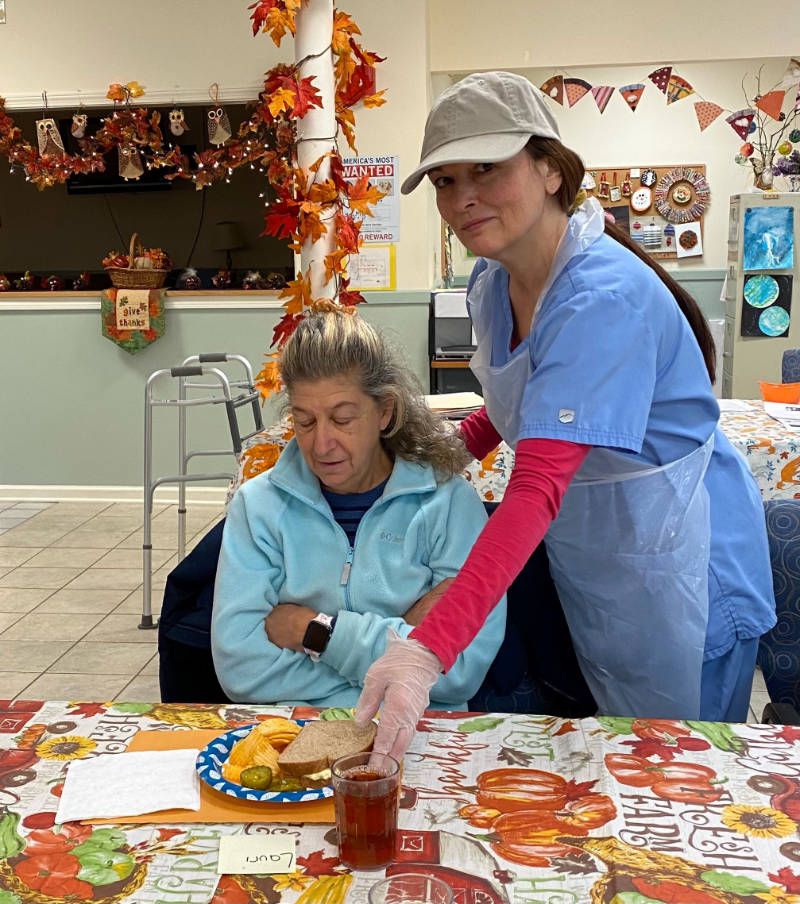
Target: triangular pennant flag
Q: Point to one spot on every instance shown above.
(771, 103)
(791, 76)
(706, 113)
(740, 121)
(575, 88)
(602, 95)
(632, 94)
(660, 78)
(554, 88)
(677, 89)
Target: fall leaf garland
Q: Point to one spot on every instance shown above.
(304, 208)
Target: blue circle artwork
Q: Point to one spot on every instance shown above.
(761, 291)
(774, 321)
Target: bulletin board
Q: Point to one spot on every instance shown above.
(661, 207)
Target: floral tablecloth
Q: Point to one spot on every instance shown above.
(772, 451)
(506, 808)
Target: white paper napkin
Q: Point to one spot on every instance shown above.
(126, 784)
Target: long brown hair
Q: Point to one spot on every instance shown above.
(572, 169)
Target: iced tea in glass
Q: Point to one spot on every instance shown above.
(365, 797)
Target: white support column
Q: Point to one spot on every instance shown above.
(317, 129)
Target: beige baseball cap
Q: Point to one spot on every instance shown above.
(484, 118)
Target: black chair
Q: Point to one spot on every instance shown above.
(779, 649)
(185, 667)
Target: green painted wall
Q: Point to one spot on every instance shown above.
(72, 403)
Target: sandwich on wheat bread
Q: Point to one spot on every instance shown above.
(319, 743)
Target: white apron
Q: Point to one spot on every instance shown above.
(629, 548)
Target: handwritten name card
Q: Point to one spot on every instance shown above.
(256, 854)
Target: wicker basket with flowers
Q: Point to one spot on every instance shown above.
(140, 268)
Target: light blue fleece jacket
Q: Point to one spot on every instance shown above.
(282, 544)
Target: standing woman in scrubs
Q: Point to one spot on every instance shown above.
(596, 367)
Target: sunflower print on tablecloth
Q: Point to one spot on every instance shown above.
(65, 747)
(759, 822)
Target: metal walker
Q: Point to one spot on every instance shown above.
(218, 393)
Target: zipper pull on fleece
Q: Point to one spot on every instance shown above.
(346, 568)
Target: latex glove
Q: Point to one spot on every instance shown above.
(402, 678)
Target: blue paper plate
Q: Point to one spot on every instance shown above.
(213, 755)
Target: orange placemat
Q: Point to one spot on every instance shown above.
(214, 805)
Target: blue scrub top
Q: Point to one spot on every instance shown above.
(609, 342)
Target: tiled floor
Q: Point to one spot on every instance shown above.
(70, 594)
(71, 591)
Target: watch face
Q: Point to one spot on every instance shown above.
(316, 637)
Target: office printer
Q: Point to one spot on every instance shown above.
(450, 330)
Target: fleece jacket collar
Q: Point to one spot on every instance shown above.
(292, 475)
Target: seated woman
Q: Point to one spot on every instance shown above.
(325, 554)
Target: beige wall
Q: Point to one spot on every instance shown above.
(524, 33)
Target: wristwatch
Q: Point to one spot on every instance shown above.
(318, 633)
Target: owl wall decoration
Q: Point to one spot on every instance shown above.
(130, 162)
(48, 136)
(78, 127)
(177, 124)
(219, 126)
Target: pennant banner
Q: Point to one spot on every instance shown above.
(706, 113)
(660, 78)
(575, 89)
(602, 95)
(677, 89)
(792, 75)
(554, 88)
(740, 121)
(632, 94)
(771, 103)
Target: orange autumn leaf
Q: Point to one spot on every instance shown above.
(343, 69)
(309, 225)
(347, 121)
(323, 192)
(281, 99)
(374, 100)
(361, 194)
(115, 92)
(278, 21)
(297, 294)
(343, 27)
(334, 263)
(268, 379)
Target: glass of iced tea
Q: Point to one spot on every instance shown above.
(411, 888)
(365, 796)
